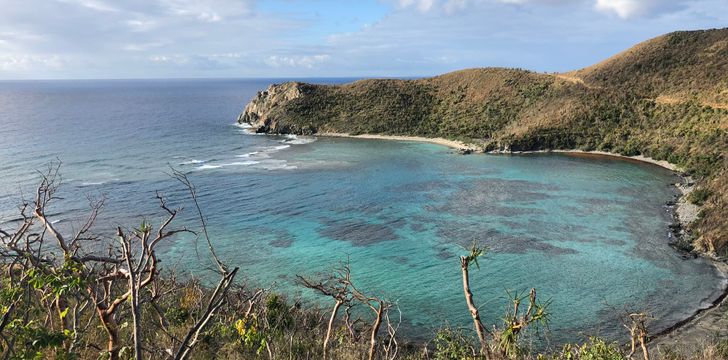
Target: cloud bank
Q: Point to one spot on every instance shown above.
(294, 38)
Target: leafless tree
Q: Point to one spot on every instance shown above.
(335, 286)
(227, 277)
(636, 324)
(391, 346)
(378, 306)
(341, 288)
(127, 272)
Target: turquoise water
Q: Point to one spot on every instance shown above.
(589, 233)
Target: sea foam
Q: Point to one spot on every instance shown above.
(218, 166)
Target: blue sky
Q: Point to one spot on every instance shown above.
(48, 39)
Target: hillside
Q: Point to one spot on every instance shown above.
(666, 98)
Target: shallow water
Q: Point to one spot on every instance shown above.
(589, 233)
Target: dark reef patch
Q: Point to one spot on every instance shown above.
(279, 238)
(423, 186)
(418, 227)
(490, 196)
(445, 254)
(497, 241)
(358, 233)
(399, 259)
(285, 242)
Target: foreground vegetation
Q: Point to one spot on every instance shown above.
(78, 295)
(666, 98)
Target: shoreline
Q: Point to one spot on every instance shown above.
(595, 153)
(438, 141)
(687, 331)
(692, 332)
(459, 145)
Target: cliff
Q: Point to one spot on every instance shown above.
(666, 98)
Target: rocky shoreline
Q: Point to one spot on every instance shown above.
(690, 334)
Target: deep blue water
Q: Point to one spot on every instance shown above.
(589, 233)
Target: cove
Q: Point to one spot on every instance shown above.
(590, 234)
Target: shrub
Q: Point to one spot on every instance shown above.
(699, 196)
(594, 349)
(452, 344)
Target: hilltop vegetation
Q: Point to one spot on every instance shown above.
(666, 98)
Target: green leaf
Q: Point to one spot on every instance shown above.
(64, 313)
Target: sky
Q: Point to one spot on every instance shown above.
(116, 39)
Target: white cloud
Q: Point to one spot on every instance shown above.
(181, 38)
(197, 62)
(452, 6)
(425, 6)
(142, 46)
(21, 63)
(625, 8)
(549, 2)
(304, 61)
(11, 36)
(96, 5)
(137, 25)
(208, 10)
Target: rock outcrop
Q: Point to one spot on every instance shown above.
(260, 112)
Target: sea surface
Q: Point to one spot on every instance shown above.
(591, 234)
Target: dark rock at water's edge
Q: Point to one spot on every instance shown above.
(261, 111)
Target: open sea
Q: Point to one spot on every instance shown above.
(591, 234)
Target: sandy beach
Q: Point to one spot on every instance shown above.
(461, 145)
(439, 141)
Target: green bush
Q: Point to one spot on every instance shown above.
(699, 196)
(723, 349)
(452, 344)
(594, 349)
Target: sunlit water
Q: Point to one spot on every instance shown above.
(590, 234)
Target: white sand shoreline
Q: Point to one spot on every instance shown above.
(640, 158)
(461, 145)
(439, 141)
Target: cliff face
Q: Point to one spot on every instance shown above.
(260, 112)
(666, 98)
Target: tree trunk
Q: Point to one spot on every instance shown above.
(375, 330)
(134, 301)
(645, 353)
(136, 319)
(62, 309)
(479, 329)
(632, 343)
(331, 324)
(112, 332)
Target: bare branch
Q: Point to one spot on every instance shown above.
(217, 299)
(182, 178)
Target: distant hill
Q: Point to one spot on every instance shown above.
(666, 98)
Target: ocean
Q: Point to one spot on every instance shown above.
(590, 234)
